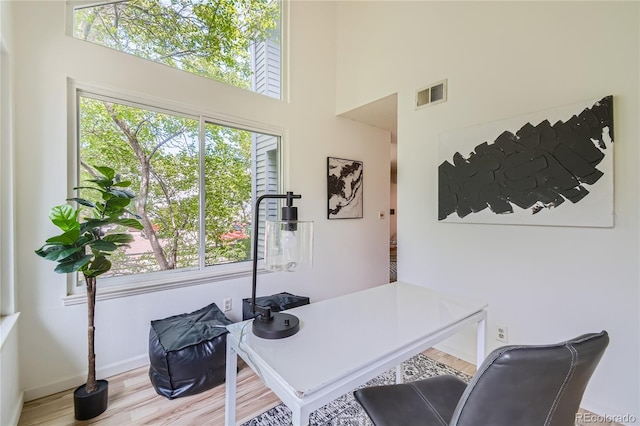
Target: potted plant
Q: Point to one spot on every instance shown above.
(89, 235)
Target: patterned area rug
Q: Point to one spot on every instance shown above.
(345, 411)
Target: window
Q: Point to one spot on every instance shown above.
(237, 42)
(194, 180)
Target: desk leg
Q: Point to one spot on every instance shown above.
(399, 378)
(480, 354)
(230, 386)
(299, 416)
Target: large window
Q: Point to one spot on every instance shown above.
(237, 42)
(194, 180)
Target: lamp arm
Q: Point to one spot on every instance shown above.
(290, 196)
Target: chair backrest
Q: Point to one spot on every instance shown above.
(531, 385)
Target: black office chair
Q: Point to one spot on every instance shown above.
(515, 386)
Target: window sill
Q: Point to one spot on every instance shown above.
(178, 280)
(7, 324)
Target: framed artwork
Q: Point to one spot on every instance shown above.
(553, 167)
(344, 188)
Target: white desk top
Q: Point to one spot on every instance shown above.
(337, 336)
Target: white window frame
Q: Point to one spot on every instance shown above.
(8, 300)
(161, 280)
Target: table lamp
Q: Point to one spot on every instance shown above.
(288, 247)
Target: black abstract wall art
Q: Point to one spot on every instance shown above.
(549, 168)
(344, 188)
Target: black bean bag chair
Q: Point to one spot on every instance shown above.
(187, 352)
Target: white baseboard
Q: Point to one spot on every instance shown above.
(17, 410)
(73, 382)
(455, 351)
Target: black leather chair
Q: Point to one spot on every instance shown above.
(515, 386)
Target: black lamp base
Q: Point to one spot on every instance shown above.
(278, 326)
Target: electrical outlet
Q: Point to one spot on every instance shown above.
(226, 305)
(502, 334)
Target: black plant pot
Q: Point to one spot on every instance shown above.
(90, 405)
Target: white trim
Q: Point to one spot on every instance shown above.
(161, 281)
(137, 99)
(8, 297)
(470, 357)
(285, 52)
(73, 153)
(17, 411)
(283, 157)
(7, 325)
(165, 280)
(202, 190)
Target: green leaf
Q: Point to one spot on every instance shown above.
(63, 253)
(137, 216)
(118, 203)
(46, 249)
(95, 223)
(102, 245)
(99, 266)
(82, 201)
(93, 188)
(119, 238)
(123, 184)
(123, 193)
(107, 172)
(131, 223)
(64, 217)
(68, 238)
(73, 265)
(102, 182)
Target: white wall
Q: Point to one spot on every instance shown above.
(52, 339)
(504, 59)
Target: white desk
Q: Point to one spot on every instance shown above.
(346, 341)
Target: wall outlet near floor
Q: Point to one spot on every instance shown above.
(502, 333)
(226, 305)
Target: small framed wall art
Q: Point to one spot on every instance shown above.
(344, 188)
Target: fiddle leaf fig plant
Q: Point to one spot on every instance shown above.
(90, 234)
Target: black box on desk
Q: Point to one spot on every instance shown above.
(277, 302)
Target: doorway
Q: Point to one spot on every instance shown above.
(393, 209)
(383, 113)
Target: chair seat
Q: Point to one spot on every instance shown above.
(429, 402)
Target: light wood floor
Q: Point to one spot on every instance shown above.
(133, 401)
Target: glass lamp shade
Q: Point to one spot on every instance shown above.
(288, 245)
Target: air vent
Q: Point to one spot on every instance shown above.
(431, 95)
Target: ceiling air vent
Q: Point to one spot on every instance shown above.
(432, 94)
